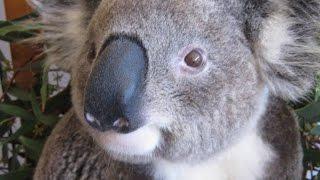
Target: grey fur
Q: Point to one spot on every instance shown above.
(211, 111)
(71, 154)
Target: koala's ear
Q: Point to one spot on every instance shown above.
(287, 48)
(64, 24)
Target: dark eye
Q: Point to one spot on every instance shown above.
(194, 59)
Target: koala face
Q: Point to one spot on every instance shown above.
(180, 81)
(177, 74)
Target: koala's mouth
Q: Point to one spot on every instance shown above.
(123, 140)
(141, 142)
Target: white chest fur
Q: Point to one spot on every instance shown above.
(245, 160)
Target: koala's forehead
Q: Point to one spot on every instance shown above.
(160, 18)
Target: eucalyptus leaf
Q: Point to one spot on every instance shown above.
(5, 154)
(31, 155)
(16, 36)
(19, 93)
(31, 107)
(34, 146)
(14, 162)
(49, 120)
(20, 174)
(315, 131)
(26, 127)
(5, 23)
(35, 105)
(2, 57)
(17, 30)
(16, 111)
(60, 102)
(310, 113)
(44, 89)
(4, 30)
(4, 128)
(312, 156)
(4, 116)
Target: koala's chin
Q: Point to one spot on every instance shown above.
(138, 146)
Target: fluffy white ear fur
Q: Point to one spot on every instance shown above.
(288, 53)
(62, 31)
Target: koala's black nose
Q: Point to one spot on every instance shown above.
(115, 86)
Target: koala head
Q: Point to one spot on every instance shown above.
(176, 80)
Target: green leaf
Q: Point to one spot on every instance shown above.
(4, 121)
(48, 120)
(312, 156)
(44, 89)
(16, 27)
(5, 23)
(4, 116)
(16, 36)
(19, 93)
(26, 127)
(5, 154)
(315, 131)
(310, 113)
(60, 102)
(308, 126)
(14, 163)
(20, 174)
(34, 147)
(17, 30)
(4, 129)
(35, 105)
(317, 89)
(2, 57)
(16, 111)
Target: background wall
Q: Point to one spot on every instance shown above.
(5, 47)
(20, 53)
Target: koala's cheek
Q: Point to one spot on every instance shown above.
(141, 142)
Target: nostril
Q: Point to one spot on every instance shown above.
(93, 121)
(90, 118)
(121, 125)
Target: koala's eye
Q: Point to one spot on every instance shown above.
(194, 59)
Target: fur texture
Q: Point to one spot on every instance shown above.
(70, 153)
(247, 159)
(257, 53)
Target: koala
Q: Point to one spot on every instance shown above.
(170, 89)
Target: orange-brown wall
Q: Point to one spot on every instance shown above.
(16, 8)
(21, 54)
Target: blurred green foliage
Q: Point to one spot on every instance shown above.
(28, 116)
(309, 120)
